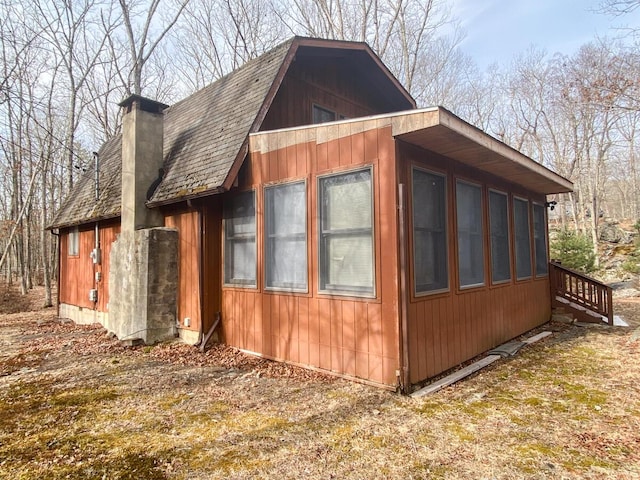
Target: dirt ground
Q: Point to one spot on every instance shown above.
(75, 404)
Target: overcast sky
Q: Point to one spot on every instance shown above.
(499, 29)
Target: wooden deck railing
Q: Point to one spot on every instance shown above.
(581, 290)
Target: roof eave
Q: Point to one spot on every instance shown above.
(77, 223)
(471, 142)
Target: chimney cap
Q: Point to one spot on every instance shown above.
(146, 104)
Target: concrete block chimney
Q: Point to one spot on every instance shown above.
(142, 145)
(143, 260)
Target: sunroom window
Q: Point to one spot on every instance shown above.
(540, 240)
(522, 238)
(470, 236)
(499, 229)
(240, 240)
(286, 236)
(346, 233)
(430, 252)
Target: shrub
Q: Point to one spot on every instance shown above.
(574, 250)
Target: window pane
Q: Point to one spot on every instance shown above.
(322, 115)
(346, 245)
(429, 232)
(348, 203)
(350, 262)
(499, 226)
(73, 241)
(240, 240)
(523, 238)
(540, 240)
(470, 235)
(286, 236)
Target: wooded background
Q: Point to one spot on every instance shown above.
(67, 63)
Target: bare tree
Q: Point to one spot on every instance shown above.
(143, 35)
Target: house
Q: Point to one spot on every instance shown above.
(308, 210)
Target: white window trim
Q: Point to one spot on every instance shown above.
(337, 292)
(500, 282)
(482, 236)
(446, 234)
(515, 259)
(306, 236)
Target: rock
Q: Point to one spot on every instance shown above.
(613, 234)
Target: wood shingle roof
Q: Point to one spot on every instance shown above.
(206, 135)
(203, 136)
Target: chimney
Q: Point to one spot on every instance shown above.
(142, 145)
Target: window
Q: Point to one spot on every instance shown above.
(470, 234)
(323, 115)
(499, 231)
(346, 233)
(430, 269)
(73, 240)
(523, 238)
(286, 236)
(240, 240)
(540, 240)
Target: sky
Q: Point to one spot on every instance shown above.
(497, 30)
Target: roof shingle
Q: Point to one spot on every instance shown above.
(203, 135)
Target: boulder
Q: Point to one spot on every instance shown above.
(614, 234)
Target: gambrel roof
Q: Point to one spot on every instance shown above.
(206, 135)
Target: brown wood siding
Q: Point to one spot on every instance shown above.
(188, 225)
(212, 255)
(78, 273)
(446, 329)
(312, 81)
(356, 337)
(108, 235)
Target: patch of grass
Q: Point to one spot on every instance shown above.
(582, 395)
(463, 434)
(235, 460)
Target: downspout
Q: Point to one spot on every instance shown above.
(404, 300)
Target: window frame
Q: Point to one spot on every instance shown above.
(480, 188)
(515, 238)
(323, 266)
(225, 250)
(545, 239)
(267, 236)
(509, 230)
(73, 242)
(447, 287)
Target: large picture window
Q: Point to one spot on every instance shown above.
(286, 236)
(346, 233)
(499, 231)
(430, 252)
(240, 240)
(540, 240)
(73, 241)
(470, 234)
(523, 238)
